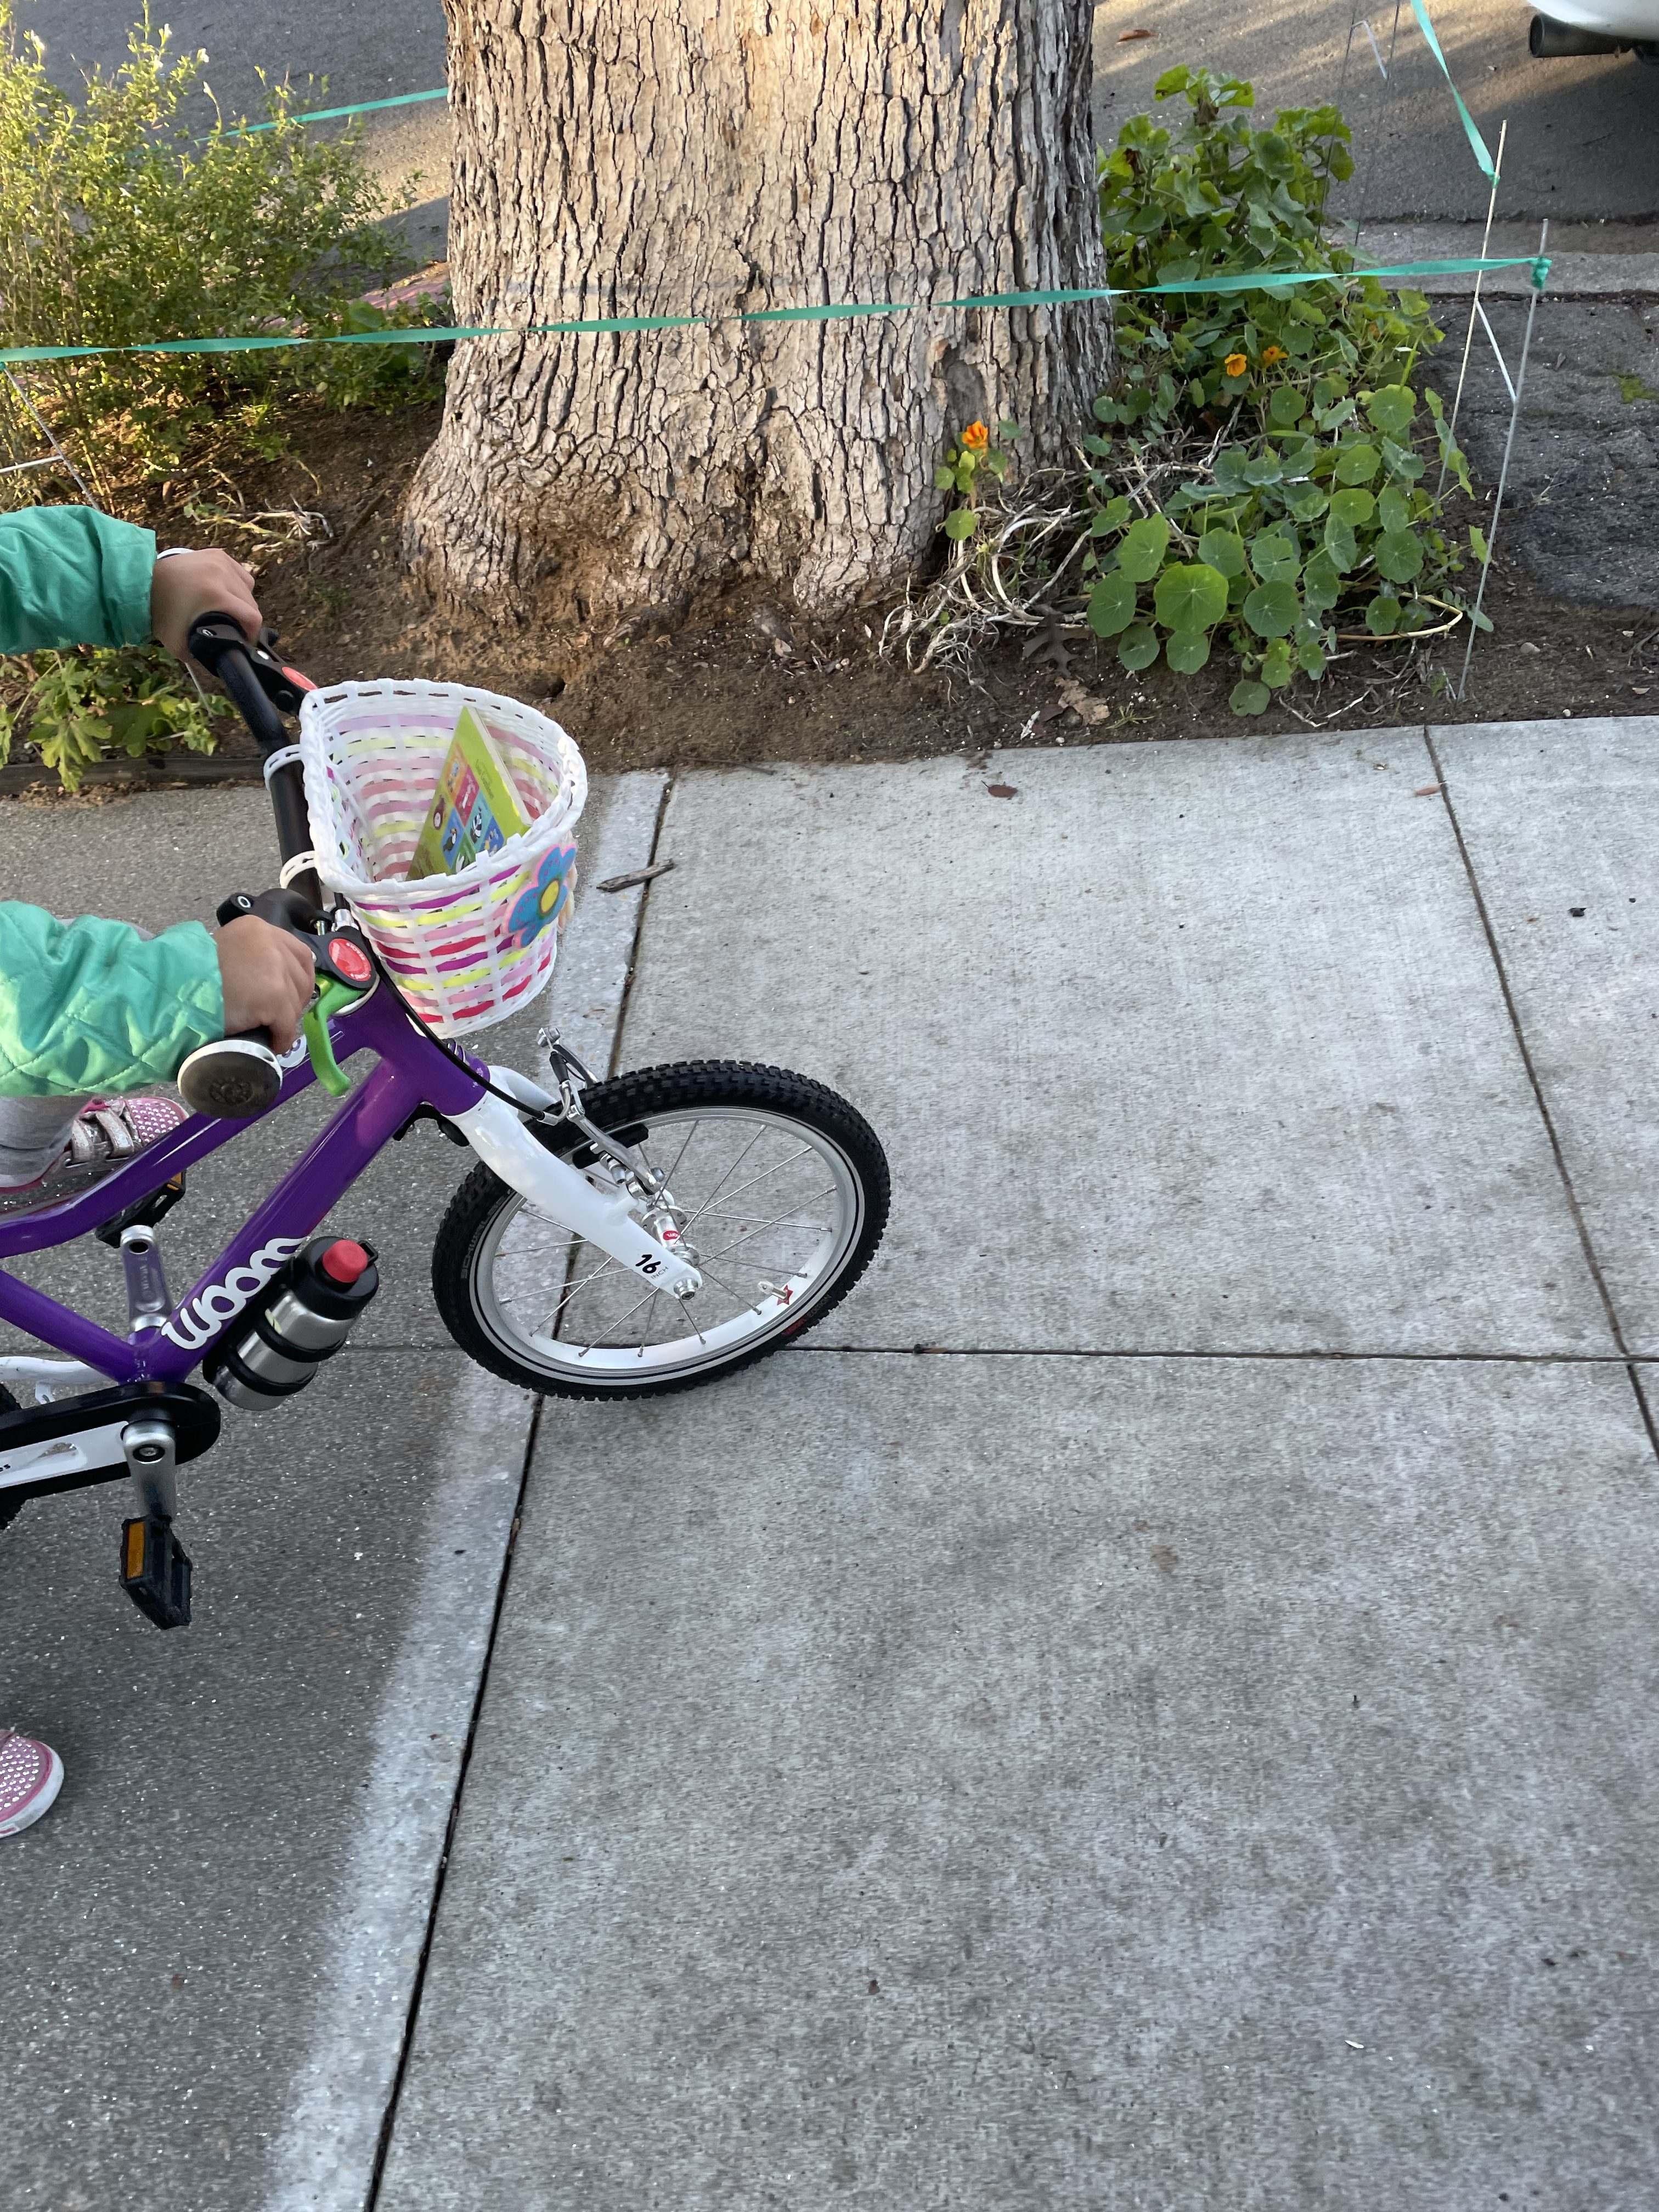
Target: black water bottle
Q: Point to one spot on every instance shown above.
(303, 1319)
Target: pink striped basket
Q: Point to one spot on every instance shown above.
(466, 950)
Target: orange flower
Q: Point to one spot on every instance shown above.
(976, 437)
(1273, 354)
(1236, 364)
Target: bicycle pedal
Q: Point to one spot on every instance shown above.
(156, 1571)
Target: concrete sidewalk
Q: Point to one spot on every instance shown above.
(1181, 1741)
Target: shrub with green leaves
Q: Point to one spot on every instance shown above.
(1260, 470)
(120, 222)
(74, 707)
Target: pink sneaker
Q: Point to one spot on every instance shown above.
(107, 1133)
(31, 1776)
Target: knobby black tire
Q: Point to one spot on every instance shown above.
(623, 1104)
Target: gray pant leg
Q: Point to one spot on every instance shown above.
(33, 1132)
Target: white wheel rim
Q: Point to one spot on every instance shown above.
(772, 1209)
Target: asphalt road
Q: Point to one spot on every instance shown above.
(1583, 141)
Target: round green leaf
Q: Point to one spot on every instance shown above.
(1250, 698)
(1401, 462)
(1264, 469)
(961, 523)
(1321, 587)
(1391, 409)
(1354, 506)
(1271, 610)
(1399, 555)
(1138, 647)
(1231, 464)
(1393, 509)
(1275, 556)
(1357, 464)
(1342, 546)
(1111, 604)
(1306, 502)
(1310, 654)
(1286, 406)
(1223, 551)
(1382, 616)
(1190, 595)
(1187, 651)
(1141, 553)
(1277, 667)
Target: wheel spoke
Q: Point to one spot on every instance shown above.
(762, 1177)
(780, 1221)
(581, 1284)
(738, 1241)
(736, 1164)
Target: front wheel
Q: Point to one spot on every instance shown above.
(778, 1192)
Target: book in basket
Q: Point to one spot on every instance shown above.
(475, 808)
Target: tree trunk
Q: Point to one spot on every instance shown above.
(646, 157)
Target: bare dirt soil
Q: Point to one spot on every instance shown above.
(746, 682)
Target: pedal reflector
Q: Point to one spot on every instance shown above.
(156, 1571)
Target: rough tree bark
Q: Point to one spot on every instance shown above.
(639, 157)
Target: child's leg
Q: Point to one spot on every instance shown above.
(33, 1132)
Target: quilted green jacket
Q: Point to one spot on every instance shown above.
(89, 1006)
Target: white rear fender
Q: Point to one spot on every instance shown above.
(553, 1187)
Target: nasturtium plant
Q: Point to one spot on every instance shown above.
(1265, 474)
(1276, 426)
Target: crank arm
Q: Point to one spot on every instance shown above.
(555, 1188)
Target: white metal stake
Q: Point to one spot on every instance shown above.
(57, 457)
(1503, 473)
(1474, 304)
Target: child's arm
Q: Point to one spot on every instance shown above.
(71, 576)
(90, 1005)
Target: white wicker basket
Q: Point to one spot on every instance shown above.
(466, 950)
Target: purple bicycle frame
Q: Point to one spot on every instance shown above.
(412, 1071)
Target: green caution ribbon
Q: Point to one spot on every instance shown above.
(1489, 167)
(331, 114)
(1254, 280)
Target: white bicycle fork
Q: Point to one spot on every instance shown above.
(554, 1188)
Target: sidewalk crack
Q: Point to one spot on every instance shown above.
(377, 2173)
(1592, 1258)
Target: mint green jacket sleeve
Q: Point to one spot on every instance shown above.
(91, 1006)
(69, 576)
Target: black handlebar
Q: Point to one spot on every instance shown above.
(264, 690)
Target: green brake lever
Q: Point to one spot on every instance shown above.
(333, 998)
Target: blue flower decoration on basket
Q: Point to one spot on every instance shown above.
(545, 899)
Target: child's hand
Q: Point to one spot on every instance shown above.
(267, 976)
(183, 587)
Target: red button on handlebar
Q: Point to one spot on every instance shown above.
(350, 959)
(344, 1262)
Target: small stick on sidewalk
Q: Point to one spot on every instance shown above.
(636, 875)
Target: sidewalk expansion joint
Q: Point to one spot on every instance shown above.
(377, 2173)
(1313, 1354)
(1592, 1258)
